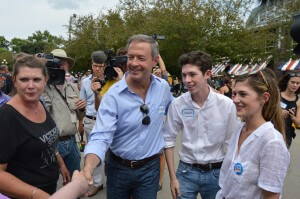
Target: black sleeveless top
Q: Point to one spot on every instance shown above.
(286, 105)
(229, 93)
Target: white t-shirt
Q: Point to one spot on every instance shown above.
(261, 164)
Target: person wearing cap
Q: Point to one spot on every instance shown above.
(66, 108)
(129, 122)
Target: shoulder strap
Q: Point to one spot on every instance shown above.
(63, 97)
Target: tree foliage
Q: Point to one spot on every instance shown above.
(214, 26)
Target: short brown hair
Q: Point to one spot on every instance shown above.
(29, 61)
(197, 58)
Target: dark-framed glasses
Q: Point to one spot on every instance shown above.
(145, 110)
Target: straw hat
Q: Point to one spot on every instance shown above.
(61, 54)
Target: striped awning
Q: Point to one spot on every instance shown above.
(218, 69)
(290, 65)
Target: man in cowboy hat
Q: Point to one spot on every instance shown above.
(66, 108)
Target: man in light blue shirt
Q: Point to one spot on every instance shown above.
(129, 123)
(90, 95)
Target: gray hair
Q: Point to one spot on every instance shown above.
(3, 67)
(98, 57)
(147, 39)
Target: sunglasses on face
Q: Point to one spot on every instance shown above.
(145, 110)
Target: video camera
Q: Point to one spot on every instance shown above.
(56, 74)
(158, 37)
(111, 62)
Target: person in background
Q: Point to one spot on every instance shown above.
(128, 123)
(257, 159)
(3, 98)
(206, 120)
(226, 89)
(122, 52)
(89, 94)
(29, 160)
(7, 84)
(289, 86)
(66, 108)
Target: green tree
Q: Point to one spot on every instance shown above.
(4, 43)
(214, 26)
(38, 42)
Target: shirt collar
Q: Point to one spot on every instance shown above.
(210, 96)
(262, 129)
(123, 84)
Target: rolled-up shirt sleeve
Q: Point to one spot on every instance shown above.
(274, 162)
(172, 126)
(106, 123)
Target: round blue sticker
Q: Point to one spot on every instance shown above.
(238, 168)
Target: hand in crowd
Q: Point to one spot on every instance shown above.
(285, 113)
(87, 173)
(78, 176)
(95, 85)
(175, 190)
(120, 73)
(80, 104)
(65, 174)
(292, 114)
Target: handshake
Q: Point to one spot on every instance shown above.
(78, 187)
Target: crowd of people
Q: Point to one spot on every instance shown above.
(234, 139)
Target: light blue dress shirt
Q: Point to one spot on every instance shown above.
(88, 95)
(119, 121)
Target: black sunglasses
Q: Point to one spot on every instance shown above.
(145, 110)
(294, 74)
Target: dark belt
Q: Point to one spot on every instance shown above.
(134, 164)
(91, 117)
(65, 138)
(206, 167)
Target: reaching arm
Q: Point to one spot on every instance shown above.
(162, 65)
(14, 187)
(90, 163)
(76, 188)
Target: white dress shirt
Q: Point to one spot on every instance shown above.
(263, 161)
(205, 130)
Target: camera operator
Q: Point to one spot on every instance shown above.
(112, 73)
(89, 92)
(66, 108)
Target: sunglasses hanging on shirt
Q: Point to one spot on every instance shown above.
(145, 110)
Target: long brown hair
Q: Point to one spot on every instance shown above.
(266, 81)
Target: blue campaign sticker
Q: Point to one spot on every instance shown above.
(188, 113)
(238, 168)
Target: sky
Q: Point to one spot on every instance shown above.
(21, 18)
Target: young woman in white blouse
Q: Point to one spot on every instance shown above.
(257, 159)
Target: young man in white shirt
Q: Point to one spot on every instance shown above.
(206, 121)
